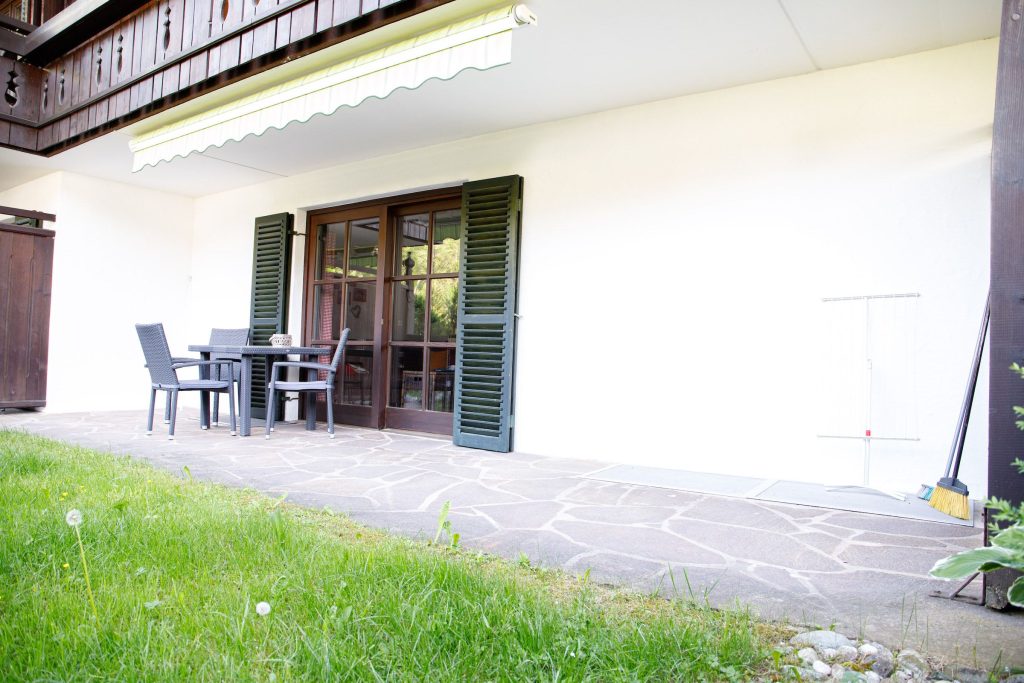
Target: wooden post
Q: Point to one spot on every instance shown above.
(1006, 390)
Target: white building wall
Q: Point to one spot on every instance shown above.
(674, 259)
(122, 255)
(675, 256)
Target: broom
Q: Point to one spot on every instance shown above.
(950, 495)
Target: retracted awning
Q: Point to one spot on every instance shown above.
(480, 43)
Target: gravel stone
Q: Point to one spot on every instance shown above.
(912, 662)
(846, 653)
(829, 653)
(872, 677)
(868, 650)
(882, 662)
(807, 655)
(822, 668)
(820, 639)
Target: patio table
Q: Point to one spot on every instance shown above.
(247, 354)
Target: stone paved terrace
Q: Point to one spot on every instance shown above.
(866, 574)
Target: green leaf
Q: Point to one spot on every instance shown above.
(970, 561)
(1016, 592)
(1011, 538)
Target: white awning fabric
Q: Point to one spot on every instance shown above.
(482, 42)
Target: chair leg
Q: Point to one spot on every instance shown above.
(152, 408)
(330, 413)
(216, 408)
(231, 407)
(167, 408)
(271, 404)
(174, 412)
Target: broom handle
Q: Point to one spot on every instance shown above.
(955, 453)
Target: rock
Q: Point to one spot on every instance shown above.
(819, 640)
(807, 655)
(868, 650)
(967, 675)
(1016, 678)
(822, 668)
(852, 677)
(846, 653)
(882, 661)
(837, 671)
(912, 662)
(804, 674)
(872, 677)
(829, 653)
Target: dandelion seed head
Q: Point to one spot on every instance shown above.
(263, 608)
(73, 518)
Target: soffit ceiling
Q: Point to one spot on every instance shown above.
(583, 56)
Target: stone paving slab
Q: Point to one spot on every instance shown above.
(864, 574)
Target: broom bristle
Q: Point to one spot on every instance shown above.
(952, 503)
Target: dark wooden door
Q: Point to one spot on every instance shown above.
(26, 269)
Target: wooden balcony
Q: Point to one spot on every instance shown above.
(91, 70)
(31, 12)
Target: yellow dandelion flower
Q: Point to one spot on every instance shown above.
(66, 565)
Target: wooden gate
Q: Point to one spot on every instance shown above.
(26, 269)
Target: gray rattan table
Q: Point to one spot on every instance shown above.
(248, 353)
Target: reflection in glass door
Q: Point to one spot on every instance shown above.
(344, 294)
(424, 305)
(396, 289)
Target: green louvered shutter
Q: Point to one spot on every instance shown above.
(487, 306)
(271, 267)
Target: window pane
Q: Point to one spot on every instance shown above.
(444, 304)
(362, 256)
(446, 241)
(327, 323)
(406, 377)
(356, 376)
(331, 262)
(441, 389)
(411, 254)
(410, 298)
(359, 310)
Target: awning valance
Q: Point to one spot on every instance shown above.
(480, 43)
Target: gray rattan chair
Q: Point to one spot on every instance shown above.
(326, 384)
(225, 337)
(163, 372)
(228, 337)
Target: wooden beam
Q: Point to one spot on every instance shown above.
(1005, 441)
(25, 213)
(11, 42)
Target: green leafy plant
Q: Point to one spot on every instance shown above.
(1007, 535)
(444, 526)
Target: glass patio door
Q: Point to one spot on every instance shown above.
(389, 272)
(423, 315)
(346, 293)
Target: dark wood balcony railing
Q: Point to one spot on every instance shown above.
(71, 83)
(32, 12)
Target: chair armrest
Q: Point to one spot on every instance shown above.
(189, 363)
(302, 364)
(198, 363)
(298, 364)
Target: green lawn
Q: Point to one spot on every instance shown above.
(178, 566)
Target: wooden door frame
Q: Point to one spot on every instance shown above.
(388, 208)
